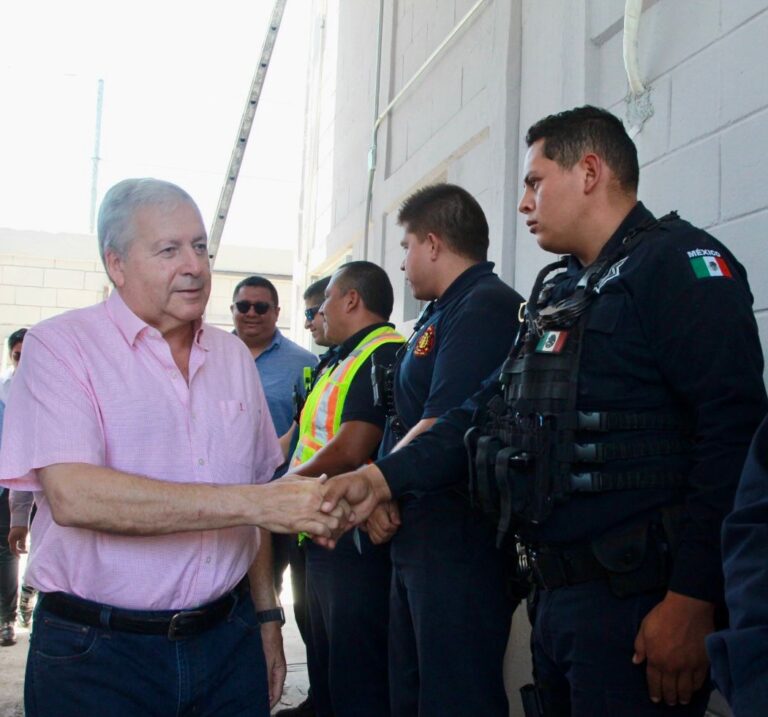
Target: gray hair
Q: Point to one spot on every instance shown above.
(115, 224)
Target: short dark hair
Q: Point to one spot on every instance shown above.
(452, 213)
(569, 135)
(15, 337)
(371, 282)
(317, 288)
(258, 282)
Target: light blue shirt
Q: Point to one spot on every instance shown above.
(281, 367)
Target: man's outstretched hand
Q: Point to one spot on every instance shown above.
(362, 490)
(296, 504)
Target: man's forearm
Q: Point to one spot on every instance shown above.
(99, 498)
(88, 496)
(346, 451)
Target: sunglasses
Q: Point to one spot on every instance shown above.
(311, 312)
(260, 307)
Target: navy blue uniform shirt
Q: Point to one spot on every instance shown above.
(461, 342)
(740, 655)
(665, 332)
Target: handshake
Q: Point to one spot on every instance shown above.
(325, 508)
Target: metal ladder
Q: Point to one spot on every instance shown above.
(246, 123)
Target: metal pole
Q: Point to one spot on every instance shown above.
(372, 152)
(96, 154)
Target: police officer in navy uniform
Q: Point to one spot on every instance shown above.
(449, 605)
(740, 654)
(611, 447)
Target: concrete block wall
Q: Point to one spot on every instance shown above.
(33, 288)
(452, 125)
(702, 152)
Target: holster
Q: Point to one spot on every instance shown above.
(637, 558)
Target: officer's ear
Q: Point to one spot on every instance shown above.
(593, 169)
(435, 244)
(351, 300)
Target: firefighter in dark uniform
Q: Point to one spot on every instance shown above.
(740, 653)
(609, 451)
(449, 604)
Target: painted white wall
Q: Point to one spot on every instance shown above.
(702, 152)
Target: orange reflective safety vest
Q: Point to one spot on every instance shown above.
(321, 416)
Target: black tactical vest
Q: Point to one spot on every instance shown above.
(530, 448)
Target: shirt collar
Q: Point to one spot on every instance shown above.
(346, 347)
(463, 281)
(637, 216)
(277, 340)
(131, 326)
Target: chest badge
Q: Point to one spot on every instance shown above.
(426, 342)
(552, 342)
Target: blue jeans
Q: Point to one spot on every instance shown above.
(75, 670)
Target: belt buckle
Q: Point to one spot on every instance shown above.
(524, 558)
(177, 622)
(543, 568)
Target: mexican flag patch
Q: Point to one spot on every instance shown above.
(552, 342)
(706, 266)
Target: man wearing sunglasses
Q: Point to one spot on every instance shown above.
(280, 361)
(145, 434)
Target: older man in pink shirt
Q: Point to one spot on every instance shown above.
(147, 439)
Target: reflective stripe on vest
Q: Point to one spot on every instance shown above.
(323, 409)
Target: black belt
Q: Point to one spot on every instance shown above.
(553, 568)
(174, 624)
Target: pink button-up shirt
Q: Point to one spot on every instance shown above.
(99, 386)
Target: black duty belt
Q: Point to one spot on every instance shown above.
(175, 624)
(553, 568)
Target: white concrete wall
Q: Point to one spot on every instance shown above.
(702, 152)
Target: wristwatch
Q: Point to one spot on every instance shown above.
(276, 614)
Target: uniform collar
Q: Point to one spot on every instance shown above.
(346, 347)
(277, 340)
(464, 281)
(638, 215)
(131, 326)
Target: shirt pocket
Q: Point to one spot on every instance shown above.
(237, 433)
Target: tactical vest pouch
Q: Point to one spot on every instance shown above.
(636, 558)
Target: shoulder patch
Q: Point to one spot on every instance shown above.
(426, 342)
(708, 262)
